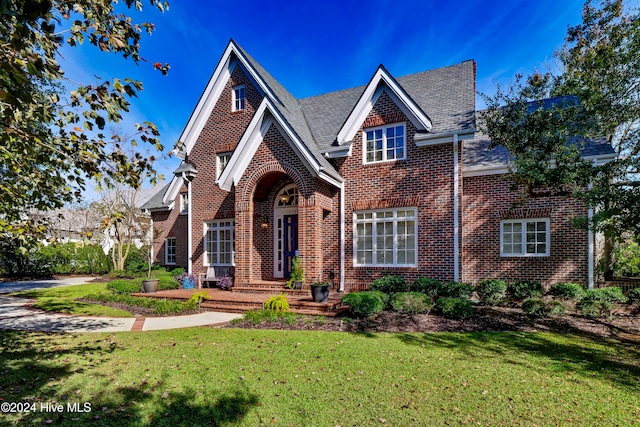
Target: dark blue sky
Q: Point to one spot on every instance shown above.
(321, 46)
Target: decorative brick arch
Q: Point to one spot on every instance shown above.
(270, 167)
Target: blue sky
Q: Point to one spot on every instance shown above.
(322, 46)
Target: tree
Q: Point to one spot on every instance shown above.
(52, 136)
(595, 96)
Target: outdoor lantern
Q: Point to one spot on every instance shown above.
(284, 198)
(265, 223)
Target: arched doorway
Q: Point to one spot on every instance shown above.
(285, 230)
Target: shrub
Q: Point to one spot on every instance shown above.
(124, 287)
(136, 261)
(193, 303)
(556, 308)
(366, 303)
(522, 289)
(277, 303)
(225, 282)
(627, 259)
(491, 291)
(455, 290)
(594, 308)
(634, 295)
(611, 294)
(535, 307)
(567, 291)
(430, 287)
(255, 317)
(456, 308)
(389, 285)
(411, 302)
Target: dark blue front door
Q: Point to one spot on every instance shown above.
(290, 238)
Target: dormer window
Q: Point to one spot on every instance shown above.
(238, 98)
(222, 161)
(384, 143)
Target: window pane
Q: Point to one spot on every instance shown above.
(507, 227)
(542, 226)
(531, 248)
(370, 136)
(399, 130)
(542, 248)
(390, 132)
(517, 227)
(378, 133)
(531, 226)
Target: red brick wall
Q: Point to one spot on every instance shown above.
(170, 224)
(424, 181)
(486, 201)
(221, 133)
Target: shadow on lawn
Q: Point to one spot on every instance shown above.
(618, 362)
(35, 367)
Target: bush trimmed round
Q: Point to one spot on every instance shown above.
(535, 307)
(567, 291)
(612, 294)
(411, 302)
(491, 291)
(594, 308)
(556, 308)
(124, 287)
(389, 285)
(455, 308)
(523, 289)
(455, 290)
(430, 287)
(634, 295)
(366, 303)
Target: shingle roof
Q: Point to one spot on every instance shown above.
(155, 202)
(446, 95)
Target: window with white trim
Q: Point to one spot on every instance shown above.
(222, 162)
(170, 250)
(384, 143)
(385, 238)
(184, 203)
(218, 243)
(238, 98)
(524, 237)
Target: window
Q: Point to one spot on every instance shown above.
(524, 237)
(219, 243)
(384, 143)
(385, 238)
(223, 160)
(184, 203)
(238, 98)
(170, 250)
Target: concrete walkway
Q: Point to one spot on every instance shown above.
(16, 313)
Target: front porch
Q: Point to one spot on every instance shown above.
(239, 300)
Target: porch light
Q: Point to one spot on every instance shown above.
(284, 198)
(265, 223)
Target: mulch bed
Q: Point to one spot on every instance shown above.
(623, 326)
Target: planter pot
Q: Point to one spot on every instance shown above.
(188, 283)
(150, 286)
(320, 293)
(298, 284)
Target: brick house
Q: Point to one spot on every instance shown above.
(387, 178)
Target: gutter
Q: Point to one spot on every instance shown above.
(456, 209)
(342, 244)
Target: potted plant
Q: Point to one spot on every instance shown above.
(297, 274)
(225, 283)
(320, 291)
(187, 280)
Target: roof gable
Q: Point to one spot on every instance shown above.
(382, 81)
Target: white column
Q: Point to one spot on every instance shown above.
(189, 231)
(342, 249)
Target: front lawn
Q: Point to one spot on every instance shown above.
(207, 376)
(63, 300)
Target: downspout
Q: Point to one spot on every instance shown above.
(456, 208)
(189, 230)
(591, 250)
(342, 249)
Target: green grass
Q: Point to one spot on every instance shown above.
(235, 377)
(62, 300)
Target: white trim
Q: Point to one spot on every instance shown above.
(384, 148)
(375, 221)
(456, 212)
(166, 250)
(265, 116)
(366, 102)
(235, 99)
(524, 222)
(231, 57)
(428, 139)
(173, 190)
(218, 228)
(483, 171)
(278, 213)
(591, 243)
